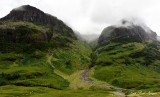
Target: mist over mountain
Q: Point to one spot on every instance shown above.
(128, 30)
(128, 55)
(87, 37)
(158, 38)
(29, 13)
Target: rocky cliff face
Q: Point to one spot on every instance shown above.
(28, 13)
(22, 34)
(27, 24)
(126, 32)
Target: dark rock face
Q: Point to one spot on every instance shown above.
(28, 13)
(132, 33)
(22, 34)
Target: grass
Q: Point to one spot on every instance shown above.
(7, 91)
(75, 80)
(127, 66)
(23, 37)
(115, 53)
(54, 67)
(25, 70)
(130, 77)
(35, 74)
(37, 68)
(13, 25)
(69, 60)
(29, 37)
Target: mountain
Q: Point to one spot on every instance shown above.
(29, 25)
(127, 31)
(37, 26)
(29, 13)
(128, 56)
(33, 45)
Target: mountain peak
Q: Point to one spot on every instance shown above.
(132, 22)
(29, 13)
(26, 8)
(127, 30)
(27, 20)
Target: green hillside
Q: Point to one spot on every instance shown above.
(129, 65)
(28, 59)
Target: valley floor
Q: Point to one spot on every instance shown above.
(82, 80)
(82, 85)
(85, 76)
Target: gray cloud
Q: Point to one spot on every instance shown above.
(91, 16)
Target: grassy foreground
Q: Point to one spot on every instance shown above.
(20, 91)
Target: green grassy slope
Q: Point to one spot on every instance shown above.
(132, 65)
(27, 63)
(7, 91)
(76, 57)
(28, 37)
(26, 70)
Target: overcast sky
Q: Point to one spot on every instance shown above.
(92, 16)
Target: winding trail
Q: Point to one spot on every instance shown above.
(85, 76)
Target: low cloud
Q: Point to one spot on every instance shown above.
(92, 16)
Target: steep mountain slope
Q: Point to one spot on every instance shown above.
(27, 13)
(128, 56)
(33, 44)
(34, 25)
